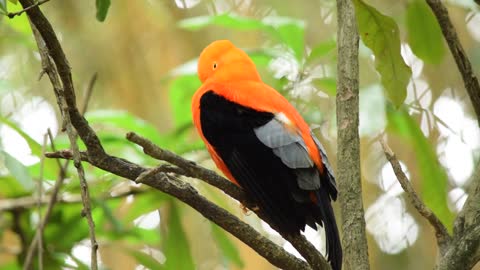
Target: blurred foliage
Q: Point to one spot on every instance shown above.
(145, 53)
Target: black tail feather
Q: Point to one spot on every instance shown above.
(325, 216)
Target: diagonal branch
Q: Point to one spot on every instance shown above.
(464, 66)
(443, 238)
(190, 169)
(97, 156)
(51, 70)
(186, 193)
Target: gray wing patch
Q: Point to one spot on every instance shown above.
(273, 134)
(293, 155)
(285, 145)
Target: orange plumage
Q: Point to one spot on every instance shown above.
(261, 143)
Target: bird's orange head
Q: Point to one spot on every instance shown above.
(221, 61)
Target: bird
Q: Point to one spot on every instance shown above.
(261, 143)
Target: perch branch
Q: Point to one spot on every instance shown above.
(443, 238)
(464, 66)
(97, 156)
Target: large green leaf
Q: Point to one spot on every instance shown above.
(433, 176)
(226, 246)
(102, 9)
(18, 170)
(424, 33)
(177, 249)
(380, 33)
(289, 31)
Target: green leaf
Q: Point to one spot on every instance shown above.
(69, 226)
(35, 147)
(434, 179)
(49, 165)
(177, 249)
(126, 122)
(13, 1)
(321, 50)
(146, 260)
(11, 188)
(380, 33)
(102, 9)
(230, 21)
(143, 204)
(180, 96)
(3, 6)
(226, 246)
(287, 30)
(18, 170)
(424, 33)
(327, 85)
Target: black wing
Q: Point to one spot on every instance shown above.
(273, 166)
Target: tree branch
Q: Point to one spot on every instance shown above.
(11, 15)
(464, 66)
(348, 172)
(164, 182)
(72, 136)
(443, 238)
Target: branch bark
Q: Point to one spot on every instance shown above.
(161, 181)
(464, 66)
(348, 172)
(463, 252)
(443, 238)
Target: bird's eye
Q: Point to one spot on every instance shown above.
(214, 65)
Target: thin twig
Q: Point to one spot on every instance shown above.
(88, 93)
(40, 193)
(443, 238)
(464, 66)
(11, 15)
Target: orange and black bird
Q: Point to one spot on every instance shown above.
(261, 143)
